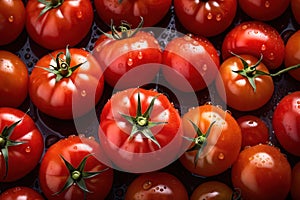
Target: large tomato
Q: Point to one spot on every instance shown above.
(286, 122)
(21, 144)
(21, 193)
(54, 24)
(12, 20)
(295, 5)
(216, 140)
(66, 83)
(206, 18)
(118, 10)
(156, 185)
(292, 54)
(72, 169)
(140, 130)
(255, 38)
(13, 80)
(262, 172)
(192, 63)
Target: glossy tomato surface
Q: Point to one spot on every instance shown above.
(295, 5)
(21, 193)
(292, 54)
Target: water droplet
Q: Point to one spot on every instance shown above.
(91, 137)
(79, 14)
(204, 67)
(218, 17)
(263, 47)
(209, 16)
(244, 27)
(221, 156)
(129, 62)
(140, 55)
(208, 103)
(195, 42)
(271, 56)
(147, 185)
(11, 19)
(16, 189)
(75, 147)
(83, 93)
(188, 37)
(28, 149)
(267, 4)
(229, 112)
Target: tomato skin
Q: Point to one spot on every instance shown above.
(192, 58)
(295, 5)
(212, 190)
(13, 80)
(156, 185)
(223, 144)
(24, 193)
(262, 172)
(27, 154)
(264, 10)
(64, 25)
(53, 172)
(206, 18)
(255, 38)
(295, 193)
(236, 90)
(152, 11)
(64, 99)
(292, 49)
(12, 20)
(286, 122)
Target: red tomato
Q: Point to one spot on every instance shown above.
(191, 62)
(213, 151)
(292, 57)
(140, 130)
(254, 130)
(255, 38)
(156, 185)
(235, 89)
(128, 62)
(56, 24)
(117, 10)
(21, 193)
(21, 144)
(295, 192)
(262, 172)
(264, 10)
(286, 122)
(12, 20)
(206, 18)
(13, 80)
(72, 169)
(66, 87)
(295, 5)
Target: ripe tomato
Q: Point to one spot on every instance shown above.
(255, 38)
(21, 144)
(13, 80)
(216, 140)
(262, 172)
(286, 122)
(292, 57)
(66, 83)
(117, 10)
(244, 91)
(128, 61)
(191, 62)
(140, 130)
(264, 10)
(21, 193)
(206, 18)
(57, 23)
(254, 130)
(12, 20)
(295, 192)
(72, 169)
(156, 185)
(295, 5)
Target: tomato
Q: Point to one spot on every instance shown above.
(262, 172)
(216, 140)
(255, 38)
(156, 185)
(12, 20)
(18, 193)
(140, 130)
(55, 24)
(118, 10)
(13, 80)
(254, 130)
(21, 144)
(66, 83)
(295, 5)
(264, 10)
(128, 60)
(286, 122)
(246, 90)
(295, 193)
(206, 18)
(193, 59)
(292, 57)
(72, 169)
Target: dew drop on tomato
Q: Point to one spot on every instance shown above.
(147, 185)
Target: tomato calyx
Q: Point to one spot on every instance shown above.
(5, 142)
(78, 175)
(200, 141)
(50, 5)
(141, 122)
